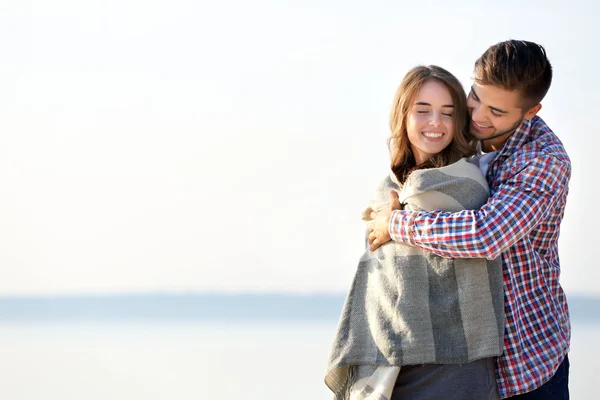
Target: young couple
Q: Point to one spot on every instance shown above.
(458, 294)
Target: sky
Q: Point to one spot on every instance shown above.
(231, 146)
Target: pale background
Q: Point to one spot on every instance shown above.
(230, 146)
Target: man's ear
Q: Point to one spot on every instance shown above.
(533, 111)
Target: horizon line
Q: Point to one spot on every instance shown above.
(174, 293)
(212, 292)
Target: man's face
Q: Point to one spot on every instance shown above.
(495, 114)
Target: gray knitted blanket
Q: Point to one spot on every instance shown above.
(407, 306)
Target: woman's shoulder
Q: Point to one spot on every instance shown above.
(389, 182)
(462, 167)
(459, 169)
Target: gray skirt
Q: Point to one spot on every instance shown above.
(472, 381)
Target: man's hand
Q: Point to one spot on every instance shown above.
(379, 226)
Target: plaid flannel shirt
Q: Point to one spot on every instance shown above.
(528, 181)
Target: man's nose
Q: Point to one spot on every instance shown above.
(477, 113)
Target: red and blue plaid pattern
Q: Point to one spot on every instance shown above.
(528, 181)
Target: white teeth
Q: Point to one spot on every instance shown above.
(481, 126)
(432, 135)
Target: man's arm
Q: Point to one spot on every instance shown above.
(514, 210)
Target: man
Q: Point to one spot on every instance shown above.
(528, 171)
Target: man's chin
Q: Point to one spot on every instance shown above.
(477, 135)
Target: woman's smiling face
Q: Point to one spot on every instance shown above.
(430, 125)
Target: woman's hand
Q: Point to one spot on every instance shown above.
(380, 221)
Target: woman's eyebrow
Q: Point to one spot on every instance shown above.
(422, 103)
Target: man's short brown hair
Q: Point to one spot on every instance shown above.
(516, 65)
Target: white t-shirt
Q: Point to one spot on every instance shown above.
(481, 159)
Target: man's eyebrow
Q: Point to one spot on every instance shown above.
(501, 111)
(422, 103)
(498, 110)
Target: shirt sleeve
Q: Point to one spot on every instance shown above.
(511, 213)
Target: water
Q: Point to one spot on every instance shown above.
(192, 359)
(196, 346)
(583, 358)
(158, 361)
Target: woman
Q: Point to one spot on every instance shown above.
(415, 325)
